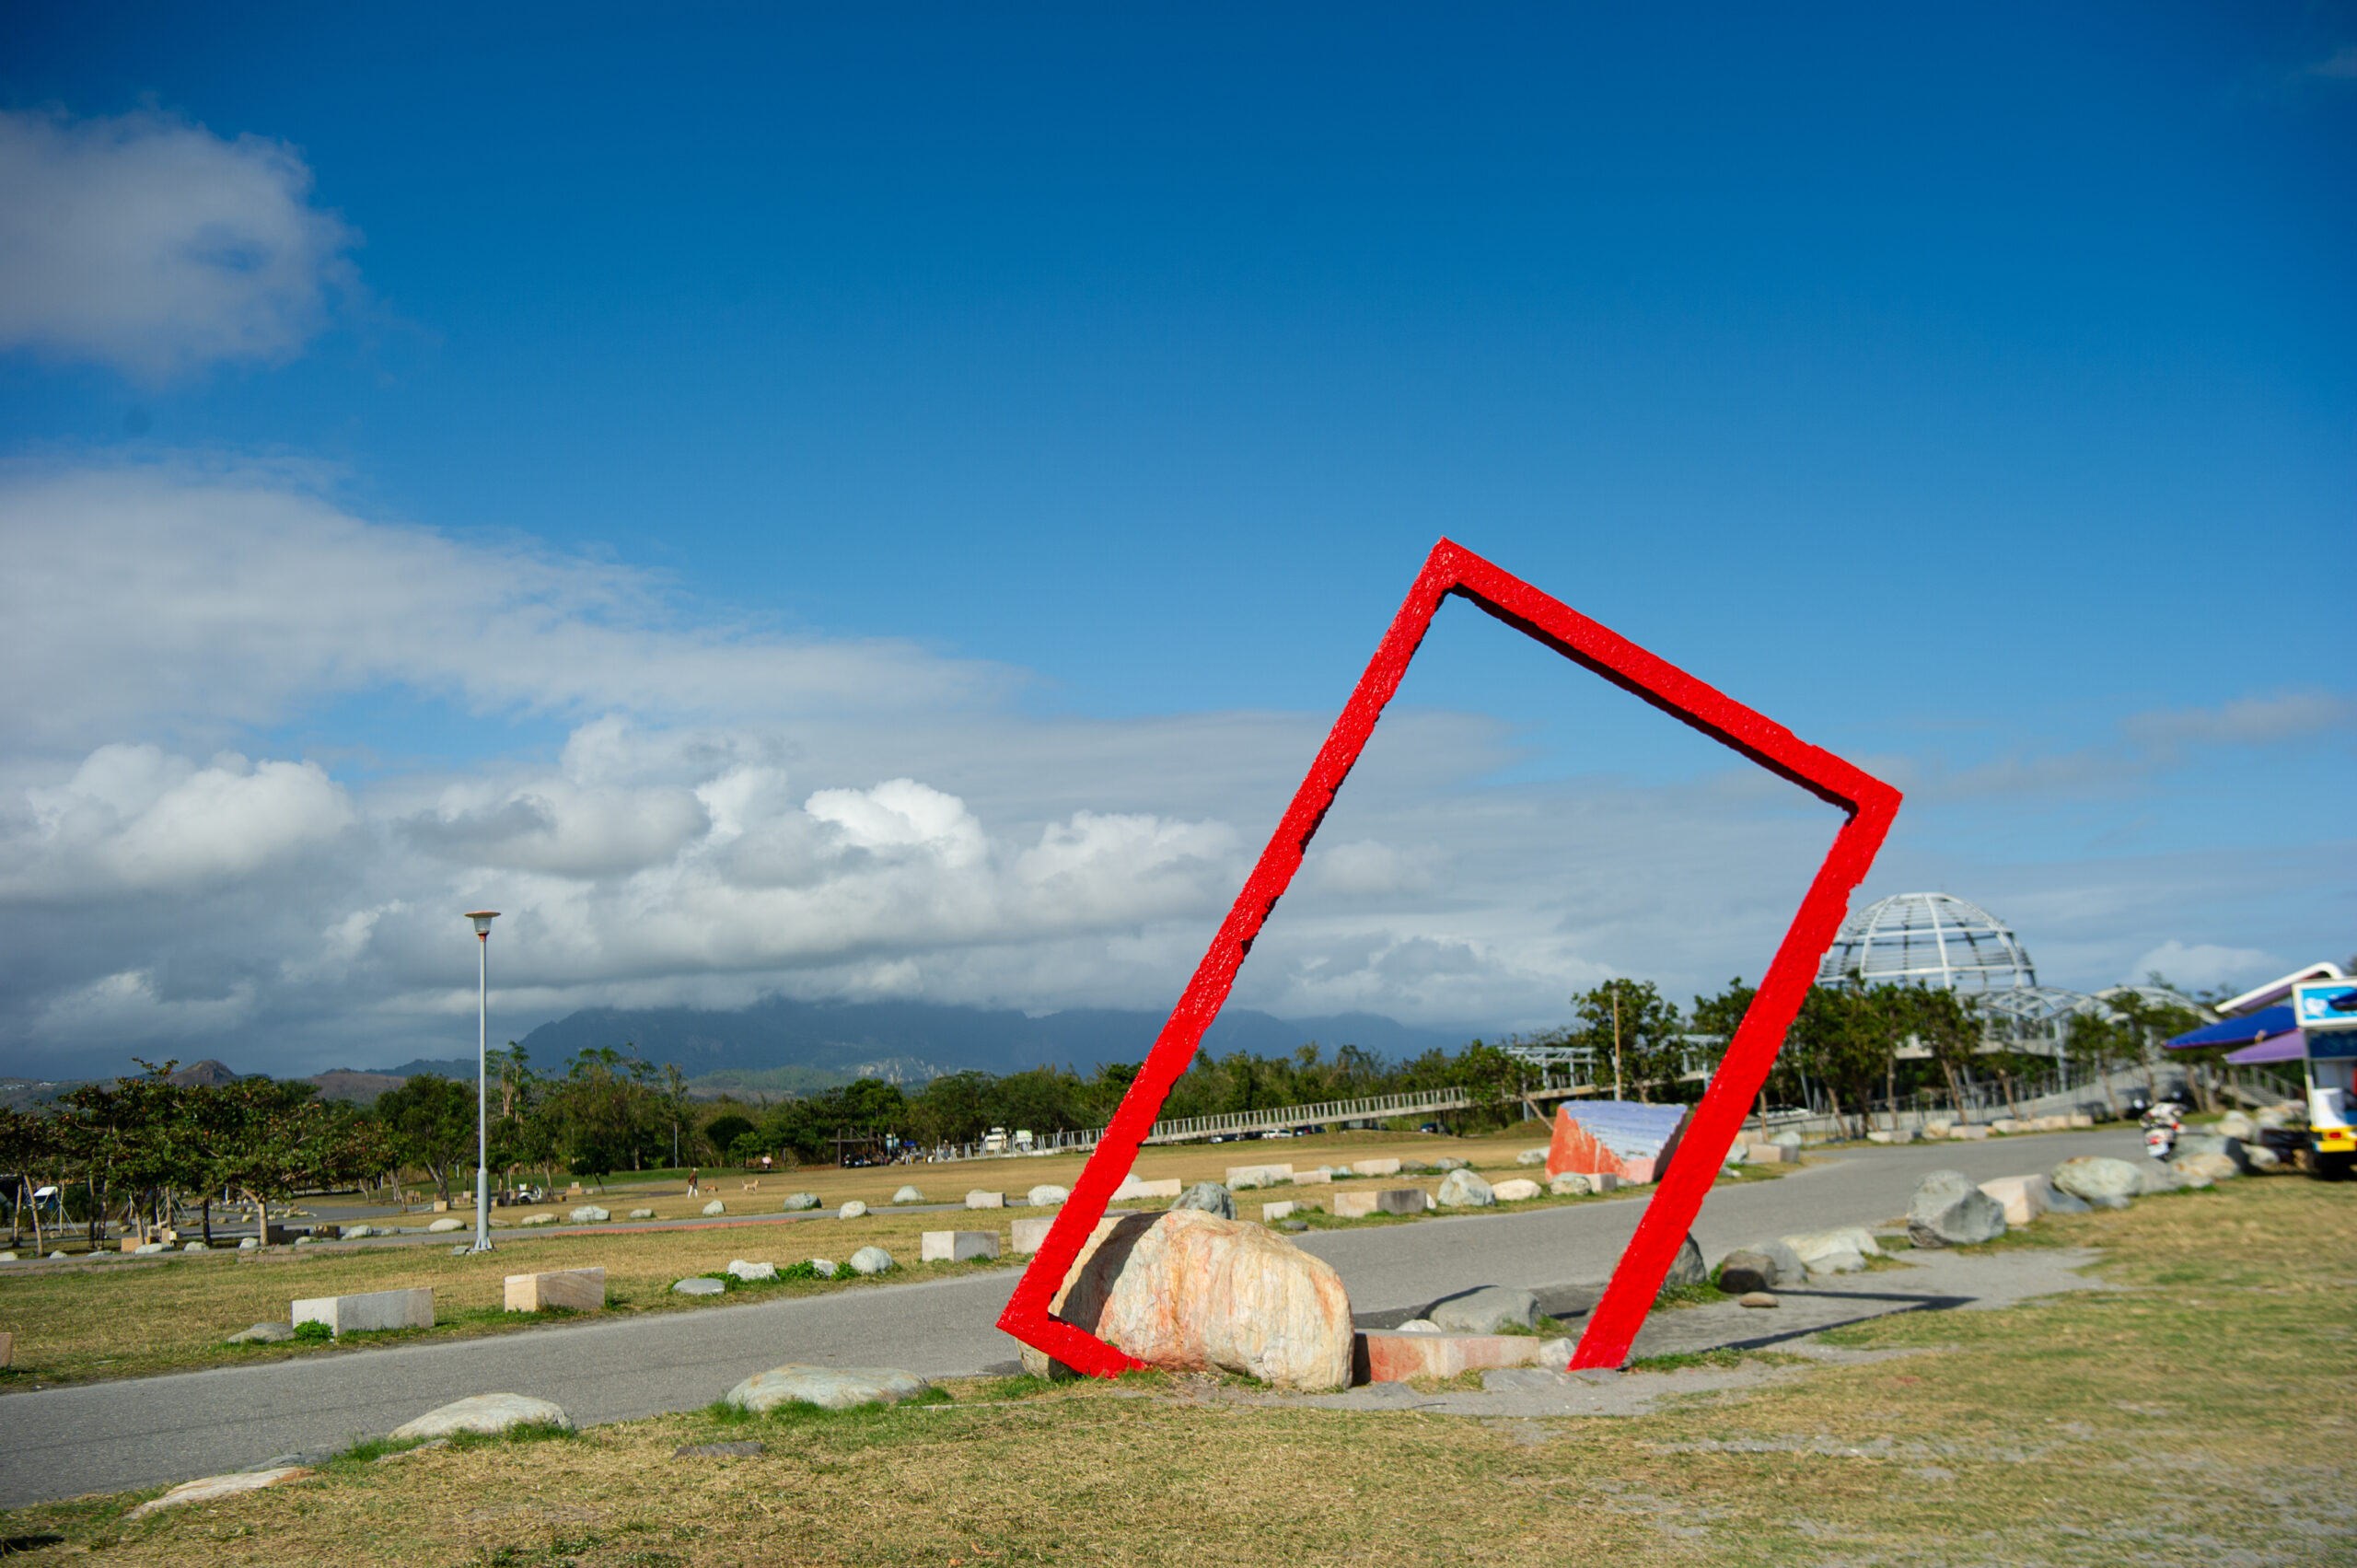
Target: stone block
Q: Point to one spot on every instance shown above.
(1271, 1212)
(1030, 1236)
(957, 1246)
(1388, 1356)
(1637, 1172)
(1318, 1178)
(1604, 1182)
(1353, 1205)
(369, 1312)
(441, 1206)
(978, 1199)
(1166, 1190)
(1241, 1177)
(2081, 1119)
(575, 1290)
(1770, 1154)
(2023, 1198)
(2008, 1126)
(1376, 1168)
(1403, 1200)
(1970, 1135)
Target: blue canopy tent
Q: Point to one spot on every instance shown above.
(2271, 1034)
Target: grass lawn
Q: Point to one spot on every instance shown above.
(127, 1317)
(2201, 1416)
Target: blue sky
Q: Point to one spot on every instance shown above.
(507, 430)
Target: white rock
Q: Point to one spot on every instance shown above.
(978, 1199)
(489, 1414)
(715, 1208)
(1571, 1184)
(828, 1387)
(871, 1261)
(446, 1225)
(1555, 1355)
(351, 1233)
(250, 1244)
(2107, 1183)
(1517, 1190)
(852, 1210)
(2235, 1124)
(588, 1213)
(796, 1201)
(1841, 1250)
(1046, 1197)
(1418, 1326)
(1463, 1189)
(215, 1487)
(699, 1285)
(1531, 1157)
(907, 1195)
(1188, 1290)
(536, 1219)
(642, 1213)
(144, 1248)
(825, 1268)
(744, 1270)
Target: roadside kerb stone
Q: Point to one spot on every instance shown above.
(212, 1488)
(956, 1246)
(577, 1290)
(1403, 1200)
(828, 1387)
(487, 1415)
(370, 1312)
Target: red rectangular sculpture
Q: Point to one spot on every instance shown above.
(1452, 569)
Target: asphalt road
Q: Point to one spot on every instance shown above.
(147, 1432)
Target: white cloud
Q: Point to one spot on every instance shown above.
(154, 246)
(2245, 721)
(125, 1009)
(132, 817)
(231, 596)
(2200, 965)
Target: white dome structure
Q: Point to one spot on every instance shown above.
(1928, 939)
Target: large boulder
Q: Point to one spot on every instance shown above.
(828, 1387)
(1461, 1188)
(1046, 1197)
(588, 1213)
(1207, 1197)
(1488, 1310)
(796, 1201)
(1949, 1210)
(2203, 1169)
(2231, 1150)
(489, 1414)
(1190, 1292)
(852, 1210)
(1746, 1269)
(871, 1261)
(1571, 1184)
(2102, 1182)
(1841, 1250)
(2235, 1124)
(1688, 1268)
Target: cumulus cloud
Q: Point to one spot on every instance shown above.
(132, 817)
(153, 246)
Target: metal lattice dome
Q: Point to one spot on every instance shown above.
(1928, 939)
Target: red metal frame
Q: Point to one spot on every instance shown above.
(1452, 569)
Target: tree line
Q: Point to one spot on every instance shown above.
(143, 1148)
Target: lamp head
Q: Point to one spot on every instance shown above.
(482, 919)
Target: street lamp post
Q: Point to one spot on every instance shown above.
(482, 919)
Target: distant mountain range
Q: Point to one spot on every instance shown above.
(916, 1041)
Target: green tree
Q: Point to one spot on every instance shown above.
(1636, 1030)
(430, 1121)
(723, 1131)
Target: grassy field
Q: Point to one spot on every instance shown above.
(2201, 1416)
(134, 1317)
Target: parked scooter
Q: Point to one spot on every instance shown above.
(2161, 1125)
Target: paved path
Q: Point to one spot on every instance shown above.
(147, 1432)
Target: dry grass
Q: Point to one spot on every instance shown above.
(134, 1318)
(2199, 1418)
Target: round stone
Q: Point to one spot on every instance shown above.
(828, 1387)
(489, 1414)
